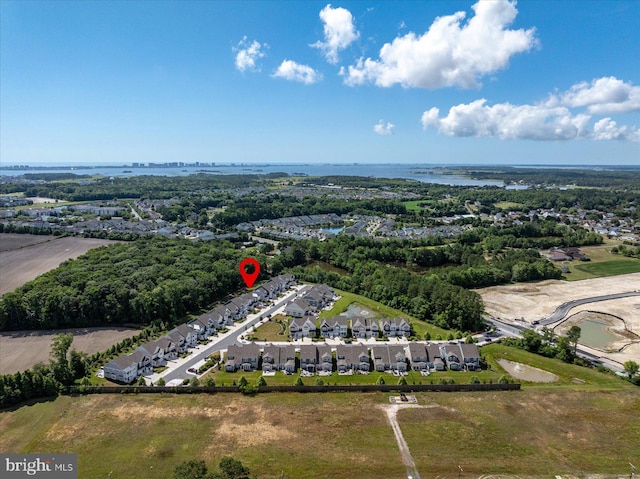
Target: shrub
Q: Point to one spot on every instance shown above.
(261, 381)
(503, 380)
(161, 382)
(380, 380)
(402, 381)
(474, 380)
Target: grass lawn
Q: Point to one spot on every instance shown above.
(508, 205)
(420, 327)
(413, 205)
(414, 377)
(602, 263)
(271, 331)
(569, 375)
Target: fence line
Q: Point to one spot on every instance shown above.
(293, 388)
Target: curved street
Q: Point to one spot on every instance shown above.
(564, 308)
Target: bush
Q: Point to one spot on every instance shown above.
(243, 382)
(474, 380)
(161, 382)
(261, 381)
(299, 382)
(380, 380)
(503, 380)
(209, 382)
(319, 382)
(402, 381)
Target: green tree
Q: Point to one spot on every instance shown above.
(161, 382)
(573, 335)
(59, 361)
(474, 380)
(243, 382)
(631, 368)
(141, 381)
(503, 380)
(427, 336)
(402, 381)
(380, 380)
(261, 381)
(233, 469)
(299, 382)
(194, 469)
(209, 382)
(194, 382)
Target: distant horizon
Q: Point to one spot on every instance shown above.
(145, 165)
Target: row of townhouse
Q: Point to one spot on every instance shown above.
(313, 300)
(456, 356)
(384, 358)
(343, 327)
(127, 368)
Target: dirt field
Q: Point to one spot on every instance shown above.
(19, 350)
(535, 301)
(25, 257)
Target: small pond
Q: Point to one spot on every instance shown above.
(595, 333)
(355, 309)
(525, 372)
(335, 231)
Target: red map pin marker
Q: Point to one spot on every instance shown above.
(249, 278)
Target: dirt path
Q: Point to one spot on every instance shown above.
(391, 410)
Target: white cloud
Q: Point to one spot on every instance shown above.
(603, 95)
(506, 121)
(248, 53)
(607, 129)
(290, 70)
(339, 32)
(450, 52)
(381, 129)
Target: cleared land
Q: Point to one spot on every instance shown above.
(602, 263)
(337, 435)
(19, 265)
(19, 350)
(535, 301)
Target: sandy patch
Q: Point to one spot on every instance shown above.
(525, 372)
(616, 327)
(533, 302)
(20, 350)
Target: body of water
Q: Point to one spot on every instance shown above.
(430, 174)
(335, 231)
(594, 333)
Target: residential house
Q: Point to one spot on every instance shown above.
(270, 358)
(434, 360)
(201, 327)
(314, 298)
(298, 308)
(418, 356)
(304, 327)
(309, 358)
(287, 362)
(249, 357)
(344, 358)
(395, 327)
(190, 336)
(124, 368)
(381, 361)
(325, 358)
(397, 358)
(451, 355)
(159, 351)
(177, 339)
(233, 361)
(470, 356)
(360, 327)
(360, 357)
(336, 327)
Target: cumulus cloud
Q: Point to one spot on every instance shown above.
(339, 32)
(607, 129)
(248, 53)
(506, 121)
(290, 70)
(381, 129)
(604, 95)
(449, 53)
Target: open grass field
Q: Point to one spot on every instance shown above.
(534, 432)
(413, 205)
(272, 331)
(420, 327)
(602, 263)
(27, 260)
(508, 205)
(20, 350)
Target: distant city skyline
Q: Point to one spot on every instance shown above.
(435, 83)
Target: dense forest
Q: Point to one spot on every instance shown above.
(134, 282)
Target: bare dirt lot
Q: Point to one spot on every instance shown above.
(19, 350)
(25, 257)
(535, 301)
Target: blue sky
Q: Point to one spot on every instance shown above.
(494, 82)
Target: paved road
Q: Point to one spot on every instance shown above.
(223, 341)
(564, 308)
